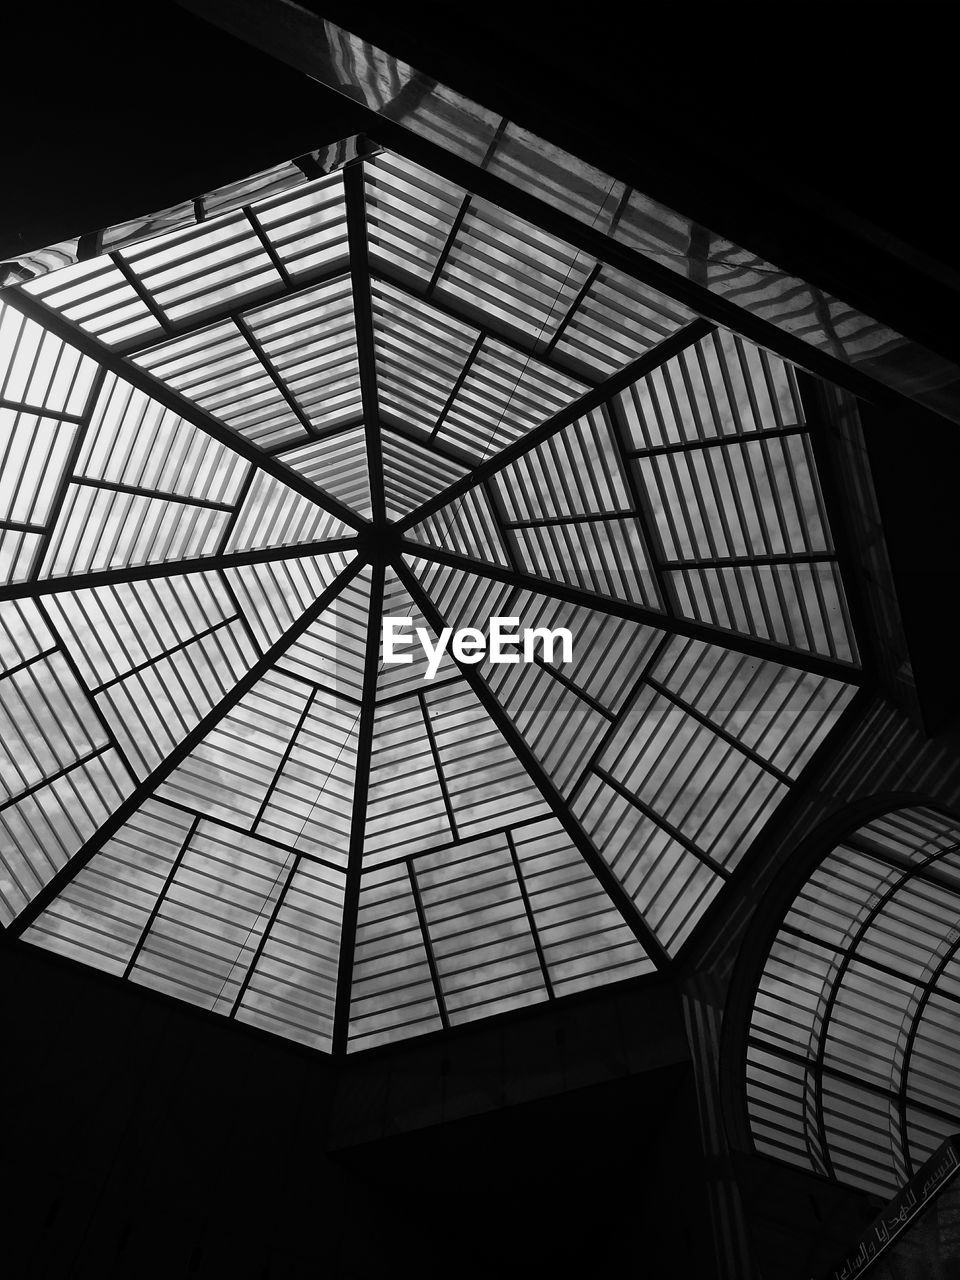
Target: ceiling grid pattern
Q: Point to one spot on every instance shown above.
(229, 450)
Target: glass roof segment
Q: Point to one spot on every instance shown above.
(853, 1032)
(670, 753)
(431, 119)
(333, 406)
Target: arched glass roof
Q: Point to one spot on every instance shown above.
(231, 449)
(854, 1032)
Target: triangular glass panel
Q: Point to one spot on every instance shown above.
(466, 525)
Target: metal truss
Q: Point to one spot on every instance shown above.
(407, 855)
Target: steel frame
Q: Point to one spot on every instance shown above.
(376, 542)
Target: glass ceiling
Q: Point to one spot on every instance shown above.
(229, 450)
(851, 1061)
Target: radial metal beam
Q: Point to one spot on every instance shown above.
(351, 897)
(144, 789)
(355, 196)
(765, 650)
(173, 568)
(590, 400)
(131, 373)
(544, 785)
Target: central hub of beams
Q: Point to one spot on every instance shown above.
(379, 543)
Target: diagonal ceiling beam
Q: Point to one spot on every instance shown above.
(592, 399)
(144, 789)
(355, 195)
(173, 568)
(71, 333)
(351, 897)
(754, 647)
(541, 780)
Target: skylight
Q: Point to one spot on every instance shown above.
(853, 1031)
(230, 450)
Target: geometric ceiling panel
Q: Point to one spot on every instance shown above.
(338, 464)
(618, 320)
(272, 594)
(218, 370)
(468, 526)
(309, 344)
(510, 920)
(503, 393)
(272, 515)
(853, 1030)
(232, 453)
(410, 677)
(420, 356)
(647, 735)
(413, 473)
(471, 392)
(330, 652)
(154, 656)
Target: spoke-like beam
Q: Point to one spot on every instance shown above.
(351, 897)
(145, 789)
(754, 647)
(458, 383)
(131, 373)
(542, 782)
(173, 568)
(353, 185)
(586, 403)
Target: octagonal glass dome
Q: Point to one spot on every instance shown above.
(229, 449)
